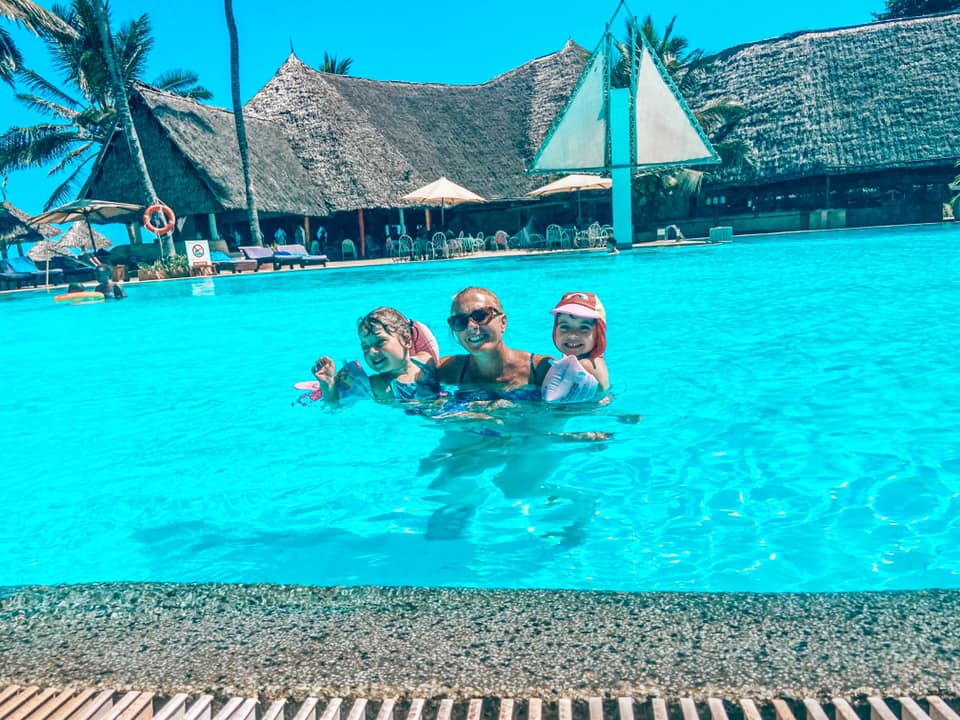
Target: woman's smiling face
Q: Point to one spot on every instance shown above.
(480, 334)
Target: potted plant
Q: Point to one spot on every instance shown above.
(145, 271)
(177, 266)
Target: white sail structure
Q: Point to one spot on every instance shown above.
(620, 131)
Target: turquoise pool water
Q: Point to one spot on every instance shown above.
(801, 429)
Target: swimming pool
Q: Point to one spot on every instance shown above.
(801, 429)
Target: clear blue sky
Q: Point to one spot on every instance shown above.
(425, 41)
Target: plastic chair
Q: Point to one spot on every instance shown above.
(439, 244)
(554, 237)
(348, 248)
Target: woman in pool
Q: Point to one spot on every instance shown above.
(490, 370)
(401, 353)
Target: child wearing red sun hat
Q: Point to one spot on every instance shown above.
(580, 329)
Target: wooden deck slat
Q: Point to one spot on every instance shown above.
(474, 709)
(534, 709)
(358, 709)
(274, 712)
(814, 709)
(16, 699)
(717, 710)
(506, 709)
(332, 710)
(47, 709)
(659, 708)
(689, 709)
(625, 708)
(843, 709)
(201, 709)
(939, 710)
(909, 710)
(308, 710)
(565, 709)
(386, 709)
(416, 709)
(445, 709)
(247, 710)
(97, 707)
(140, 707)
(174, 709)
(226, 712)
(595, 708)
(750, 711)
(9, 692)
(32, 704)
(879, 710)
(782, 710)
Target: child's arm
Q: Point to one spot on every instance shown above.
(598, 368)
(325, 371)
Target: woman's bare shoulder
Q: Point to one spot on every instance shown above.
(449, 368)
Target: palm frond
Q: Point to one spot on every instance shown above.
(38, 84)
(133, 43)
(34, 146)
(34, 17)
(80, 154)
(183, 83)
(46, 107)
(10, 57)
(65, 190)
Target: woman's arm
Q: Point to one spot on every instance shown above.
(449, 369)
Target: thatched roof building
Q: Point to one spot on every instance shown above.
(367, 142)
(848, 101)
(863, 112)
(192, 155)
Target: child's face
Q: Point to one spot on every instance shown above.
(574, 335)
(383, 352)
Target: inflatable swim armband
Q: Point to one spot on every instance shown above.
(352, 383)
(424, 340)
(568, 382)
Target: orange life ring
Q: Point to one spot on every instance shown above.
(159, 207)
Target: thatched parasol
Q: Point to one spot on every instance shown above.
(15, 227)
(79, 236)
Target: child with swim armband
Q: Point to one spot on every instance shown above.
(580, 333)
(402, 353)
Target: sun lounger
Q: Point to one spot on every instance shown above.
(222, 261)
(11, 279)
(296, 255)
(262, 255)
(74, 270)
(38, 275)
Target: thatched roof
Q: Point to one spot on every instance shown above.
(78, 236)
(192, 156)
(858, 99)
(15, 225)
(365, 142)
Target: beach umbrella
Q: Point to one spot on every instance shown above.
(574, 183)
(442, 192)
(90, 211)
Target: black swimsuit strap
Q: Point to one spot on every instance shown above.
(532, 378)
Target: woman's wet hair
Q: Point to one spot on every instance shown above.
(473, 289)
(388, 320)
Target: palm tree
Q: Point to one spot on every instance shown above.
(83, 112)
(252, 218)
(334, 66)
(34, 18)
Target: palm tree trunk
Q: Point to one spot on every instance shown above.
(126, 118)
(252, 218)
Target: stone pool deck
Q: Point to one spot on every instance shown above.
(284, 641)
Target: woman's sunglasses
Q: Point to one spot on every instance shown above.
(461, 321)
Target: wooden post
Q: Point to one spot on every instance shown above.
(427, 211)
(827, 206)
(363, 242)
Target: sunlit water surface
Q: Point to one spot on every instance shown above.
(801, 429)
